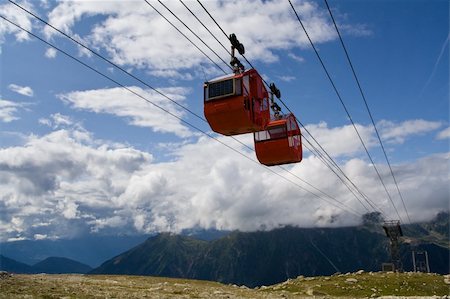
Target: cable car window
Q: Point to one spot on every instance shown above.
(277, 132)
(261, 136)
(220, 89)
(265, 104)
(238, 86)
(293, 124)
(273, 133)
(294, 141)
(224, 88)
(297, 141)
(246, 84)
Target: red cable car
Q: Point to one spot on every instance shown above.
(280, 142)
(237, 104)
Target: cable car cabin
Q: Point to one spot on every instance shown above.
(236, 104)
(280, 143)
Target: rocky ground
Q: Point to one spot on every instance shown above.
(350, 285)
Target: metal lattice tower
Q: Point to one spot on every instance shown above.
(420, 261)
(394, 232)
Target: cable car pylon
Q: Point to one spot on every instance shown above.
(394, 231)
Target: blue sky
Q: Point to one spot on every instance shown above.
(79, 155)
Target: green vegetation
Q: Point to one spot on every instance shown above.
(354, 285)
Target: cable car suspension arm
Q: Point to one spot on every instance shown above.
(238, 67)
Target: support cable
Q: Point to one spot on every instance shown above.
(204, 8)
(328, 158)
(185, 36)
(350, 210)
(310, 147)
(346, 110)
(371, 203)
(204, 26)
(367, 108)
(198, 37)
(139, 80)
(227, 64)
(107, 60)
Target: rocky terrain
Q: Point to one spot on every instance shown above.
(350, 285)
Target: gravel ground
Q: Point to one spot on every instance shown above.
(350, 285)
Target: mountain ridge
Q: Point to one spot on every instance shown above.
(263, 258)
(50, 265)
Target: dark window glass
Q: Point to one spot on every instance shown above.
(277, 132)
(221, 88)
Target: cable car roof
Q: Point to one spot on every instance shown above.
(222, 77)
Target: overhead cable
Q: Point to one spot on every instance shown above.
(371, 203)
(136, 78)
(198, 37)
(346, 110)
(348, 209)
(228, 65)
(210, 59)
(367, 107)
(204, 26)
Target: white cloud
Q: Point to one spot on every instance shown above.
(138, 112)
(50, 53)
(39, 237)
(355, 29)
(287, 78)
(398, 132)
(45, 122)
(444, 134)
(342, 141)
(128, 33)
(75, 185)
(23, 90)
(296, 57)
(44, 4)
(61, 179)
(171, 74)
(9, 110)
(16, 15)
(59, 121)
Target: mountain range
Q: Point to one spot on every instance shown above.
(264, 258)
(244, 258)
(51, 265)
(91, 250)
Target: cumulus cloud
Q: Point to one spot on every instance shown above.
(23, 90)
(14, 14)
(40, 237)
(9, 110)
(50, 53)
(355, 29)
(127, 32)
(296, 57)
(58, 120)
(444, 134)
(61, 179)
(398, 132)
(342, 141)
(122, 103)
(72, 183)
(287, 78)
